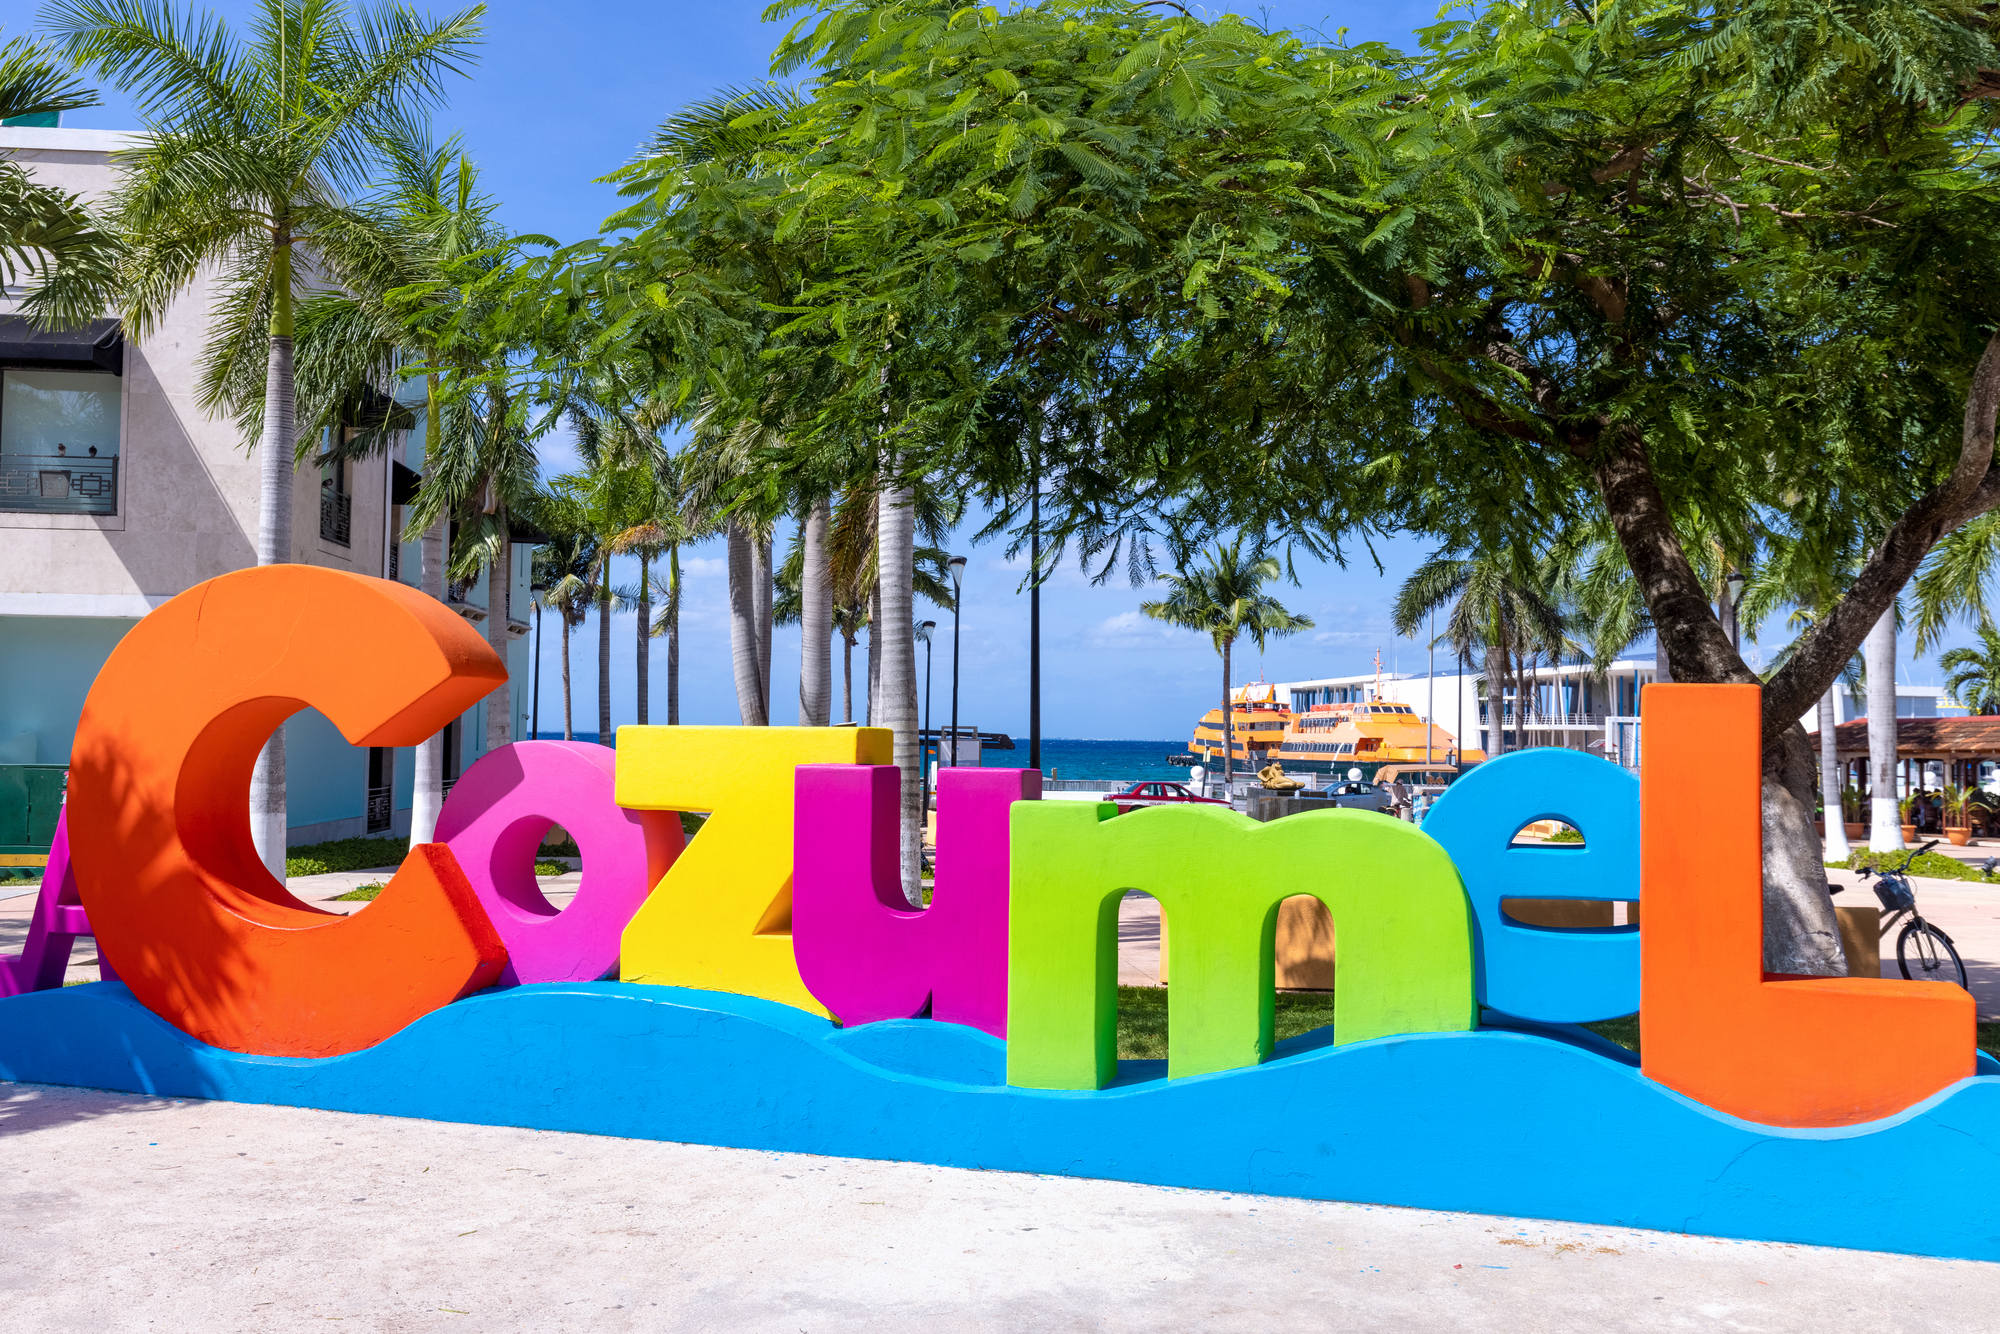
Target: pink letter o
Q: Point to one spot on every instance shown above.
(497, 816)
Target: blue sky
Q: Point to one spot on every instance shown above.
(564, 93)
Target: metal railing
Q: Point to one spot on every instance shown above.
(336, 517)
(58, 484)
(1533, 717)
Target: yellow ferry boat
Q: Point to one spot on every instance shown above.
(1259, 722)
(1335, 738)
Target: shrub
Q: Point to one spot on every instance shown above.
(306, 866)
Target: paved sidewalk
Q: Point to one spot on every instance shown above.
(122, 1213)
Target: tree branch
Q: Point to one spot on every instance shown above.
(1972, 489)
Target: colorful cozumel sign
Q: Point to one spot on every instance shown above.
(767, 985)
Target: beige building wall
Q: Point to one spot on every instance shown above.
(187, 491)
(71, 584)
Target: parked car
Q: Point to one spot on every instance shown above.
(1158, 794)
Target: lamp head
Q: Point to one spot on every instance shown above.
(927, 625)
(957, 564)
(1736, 582)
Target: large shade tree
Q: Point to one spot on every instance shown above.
(1565, 263)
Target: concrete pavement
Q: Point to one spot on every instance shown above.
(122, 1213)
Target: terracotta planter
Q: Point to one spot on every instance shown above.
(1856, 829)
(1959, 837)
(1909, 833)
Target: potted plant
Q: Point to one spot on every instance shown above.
(1958, 816)
(1911, 805)
(1850, 812)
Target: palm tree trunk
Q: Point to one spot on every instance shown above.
(1228, 725)
(895, 526)
(1496, 701)
(427, 796)
(569, 726)
(604, 656)
(846, 676)
(816, 620)
(499, 587)
(761, 550)
(1878, 651)
(1836, 849)
(645, 630)
(276, 469)
(674, 636)
(872, 711)
(751, 702)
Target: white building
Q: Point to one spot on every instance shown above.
(117, 492)
(1570, 706)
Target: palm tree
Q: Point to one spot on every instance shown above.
(1226, 600)
(1878, 653)
(565, 569)
(355, 342)
(848, 551)
(1972, 675)
(1494, 611)
(607, 500)
(251, 151)
(46, 232)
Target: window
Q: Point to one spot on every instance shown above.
(58, 441)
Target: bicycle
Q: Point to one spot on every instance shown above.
(1929, 948)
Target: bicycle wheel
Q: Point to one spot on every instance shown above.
(1926, 954)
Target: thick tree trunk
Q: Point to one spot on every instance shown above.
(1885, 824)
(1800, 933)
(895, 556)
(427, 797)
(275, 450)
(751, 702)
(1834, 847)
(499, 584)
(645, 644)
(816, 620)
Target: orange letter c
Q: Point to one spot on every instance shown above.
(159, 811)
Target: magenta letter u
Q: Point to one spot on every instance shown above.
(861, 949)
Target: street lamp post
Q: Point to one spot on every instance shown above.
(957, 564)
(924, 628)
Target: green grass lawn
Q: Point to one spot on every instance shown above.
(1142, 1019)
(1935, 865)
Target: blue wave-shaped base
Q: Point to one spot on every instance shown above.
(1539, 1121)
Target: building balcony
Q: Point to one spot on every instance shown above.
(58, 484)
(336, 517)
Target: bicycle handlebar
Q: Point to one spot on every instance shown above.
(1914, 854)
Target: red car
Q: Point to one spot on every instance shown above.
(1158, 794)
